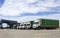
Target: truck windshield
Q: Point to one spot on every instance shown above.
(36, 23)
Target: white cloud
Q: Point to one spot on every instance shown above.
(50, 3)
(17, 7)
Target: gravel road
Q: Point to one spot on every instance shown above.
(10, 33)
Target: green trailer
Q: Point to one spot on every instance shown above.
(49, 23)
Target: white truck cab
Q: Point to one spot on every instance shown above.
(36, 23)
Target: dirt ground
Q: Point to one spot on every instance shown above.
(10, 33)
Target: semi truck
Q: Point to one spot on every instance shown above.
(46, 23)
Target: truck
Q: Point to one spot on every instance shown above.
(26, 25)
(46, 23)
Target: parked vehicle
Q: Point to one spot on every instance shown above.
(42, 23)
(36, 24)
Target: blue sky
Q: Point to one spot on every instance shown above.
(29, 9)
(1, 2)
